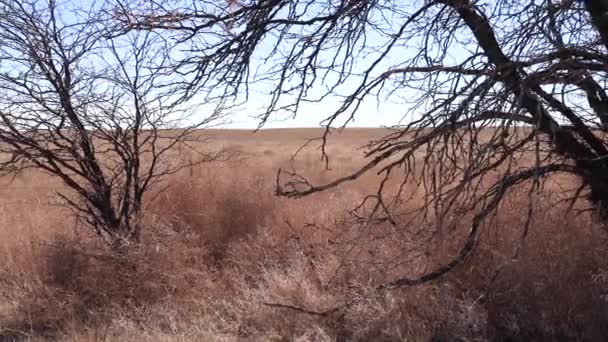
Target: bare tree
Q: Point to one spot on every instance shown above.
(88, 106)
(535, 72)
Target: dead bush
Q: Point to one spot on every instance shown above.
(218, 212)
(88, 285)
(547, 292)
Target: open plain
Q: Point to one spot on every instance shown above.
(221, 257)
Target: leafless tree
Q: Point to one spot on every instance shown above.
(535, 72)
(87, 104)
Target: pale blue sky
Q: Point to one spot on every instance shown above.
(374, 112)
(312, 115)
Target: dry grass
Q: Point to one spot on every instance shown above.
(218, 245)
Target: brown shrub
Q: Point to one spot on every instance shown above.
(216, 211)
(86, 285)
(549, 291)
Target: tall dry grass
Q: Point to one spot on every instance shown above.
(218, 245)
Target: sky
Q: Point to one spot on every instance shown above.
(374, 112)
(385, 110)
(312, 116)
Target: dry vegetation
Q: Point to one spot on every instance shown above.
(218, 245)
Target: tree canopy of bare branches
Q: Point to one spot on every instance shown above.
(87, 103)
(535, 72)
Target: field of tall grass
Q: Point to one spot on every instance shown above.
(219, 249)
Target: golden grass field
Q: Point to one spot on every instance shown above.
(218, 245)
